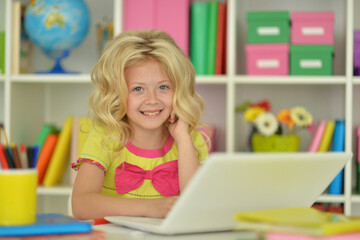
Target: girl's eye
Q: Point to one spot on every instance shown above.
(137, 89)
(163, 87)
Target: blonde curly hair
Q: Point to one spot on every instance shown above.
(108, 102)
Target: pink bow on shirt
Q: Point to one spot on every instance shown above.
(164, 178)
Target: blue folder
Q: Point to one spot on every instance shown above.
(47, 224)
(336, 186)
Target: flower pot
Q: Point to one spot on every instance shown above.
(275, 143)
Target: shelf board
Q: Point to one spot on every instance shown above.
(51, 78)
(85, 78)
(331, 198)
(212, 79)
(355, 198)
(55, 191)
(316, 80)
(356, 80)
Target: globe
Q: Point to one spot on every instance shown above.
(57, 27)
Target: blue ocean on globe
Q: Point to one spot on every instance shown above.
(57, 26)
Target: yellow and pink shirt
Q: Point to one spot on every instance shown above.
(135, 172)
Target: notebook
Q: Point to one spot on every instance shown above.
(227, 184)
(47, 224)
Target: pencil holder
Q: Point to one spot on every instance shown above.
(275, 143)
(18, 196)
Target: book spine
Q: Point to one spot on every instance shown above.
(58, 160)
(173, 18)
(138, 14)
(220, 42)
(212, 36)
(45, 156)
(336, 186)
(327, 136)
(46, 129)
(315, 143)
(199, 12)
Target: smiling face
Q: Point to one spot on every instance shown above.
(150, 97)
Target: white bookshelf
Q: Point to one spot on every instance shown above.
(29, 100)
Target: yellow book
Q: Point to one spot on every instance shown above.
(60, 157)
(301, 220)
(327, 136)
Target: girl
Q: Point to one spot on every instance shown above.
(143, 147)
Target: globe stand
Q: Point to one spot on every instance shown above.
(57, 68)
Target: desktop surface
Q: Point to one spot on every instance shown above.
(116, 232)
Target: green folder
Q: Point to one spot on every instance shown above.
(213, 21)
(199, 36)
(44, 132)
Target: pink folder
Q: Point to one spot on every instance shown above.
(171, 16)
(315, 143)
(138, 14)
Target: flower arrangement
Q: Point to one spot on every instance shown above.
(286, 122)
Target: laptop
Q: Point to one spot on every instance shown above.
(231, 183)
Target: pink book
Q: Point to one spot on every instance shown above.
(315, 143)
(172, 16)
(138, 14)
(279, 236)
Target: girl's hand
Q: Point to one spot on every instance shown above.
(178, 128)
(159, 208)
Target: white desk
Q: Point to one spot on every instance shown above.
(115, 232)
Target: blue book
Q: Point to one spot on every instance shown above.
(47, 224)
(336, 186)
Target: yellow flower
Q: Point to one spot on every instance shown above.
(301, 116)
(252, 113)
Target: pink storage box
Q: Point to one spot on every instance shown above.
(312, 28)
(267, 59)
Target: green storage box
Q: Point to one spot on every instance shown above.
(311, 60)
(268, 27)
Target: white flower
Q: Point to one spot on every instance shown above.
(267, 124)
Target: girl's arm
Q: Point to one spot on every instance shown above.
(187, 159)
(88, 203)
